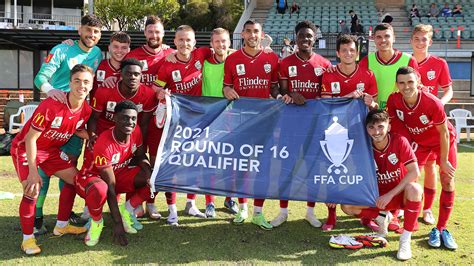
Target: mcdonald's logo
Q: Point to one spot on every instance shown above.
(39, 119)
(100, 160)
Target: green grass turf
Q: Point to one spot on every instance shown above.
(217, 241)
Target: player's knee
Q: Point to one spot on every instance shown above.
(97, 189)
(348, 209)
(414, 191)
(446, 181)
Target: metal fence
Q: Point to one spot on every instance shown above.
(41, 21)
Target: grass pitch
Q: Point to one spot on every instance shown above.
(217, 241)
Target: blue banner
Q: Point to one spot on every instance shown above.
(262, 148)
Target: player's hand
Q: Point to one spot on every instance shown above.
(110, 82)
(383, 200)
(161, 93)
(171, 57)
(69, 42)
(286, 99)
(58, 95)
(298, 99)
(92, 139)
(165, 46)
(33, 184)
(369, 101)
(331, 69)
(331, 205)
(230, 94)
(118, 235)
(447, 168)
(355, 94)
(267, 50)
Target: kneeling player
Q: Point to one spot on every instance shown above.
(422, 115)
(120, 166)
(397, 172)
(38, 145)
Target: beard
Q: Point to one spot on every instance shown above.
(154, 43)
(84, 42)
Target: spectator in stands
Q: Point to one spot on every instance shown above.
(387, 18)
(359, 28)
(343, 27)
(414, 13)
(287, 48)
(446, 11)
(295, 8)
(282, 5)
(354, 19)
(457, 11)
(433, 11)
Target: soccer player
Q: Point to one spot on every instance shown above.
(300, 78)
(385, 62)
(434, 73)
(120, 166)
(250, 72)
(212, 83)
(108, 72)
(151, 55)
(397, 172)
(53, 79)
(38, 145)
(423, 116)
(348, 80)
(183, 76)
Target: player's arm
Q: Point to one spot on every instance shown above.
(92, 127)
(230, 93)
(274, 90)
(448, 94)
(413, 172)
(82, 133)
(141, 160)
(49, 67)
(33, 181)
(445, 165)
(107, 174)
(144, 121)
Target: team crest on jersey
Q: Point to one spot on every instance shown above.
(111, 106)
(58, 120)
(140, 107)
(400, 115)
(267, 68)
(115, 158)
(240, 69)
(424, 119)
(335, 87)
(72, 62)
(431, 75)
(145, 65)
(100, 75)
(79, 124)
(360, 86)
(318, 71)
(176, 76)
(292, 71)
(198, 65)
(392, 158)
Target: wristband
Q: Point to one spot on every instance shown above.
(279, 96)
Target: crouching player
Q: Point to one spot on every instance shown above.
(120, 166)
(38, 145)
(397, 172)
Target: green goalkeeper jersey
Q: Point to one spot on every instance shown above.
(59, 62)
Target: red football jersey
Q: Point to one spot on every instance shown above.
(304, 76)
(391, 160)
(421, 119)
(104, 71)
(57, 123)
(364, 63)
(338, 84)
(106, 99)
(151, 61)
(184, 77)
(434, 72)
(251, 76)
(109, 152)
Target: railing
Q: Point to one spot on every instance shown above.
(41, 21)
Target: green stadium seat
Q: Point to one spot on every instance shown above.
(438, 34)
(466, 33)
(447, 33)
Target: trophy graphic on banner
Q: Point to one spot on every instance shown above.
(336, 146)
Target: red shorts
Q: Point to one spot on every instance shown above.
(88, 160)
(396, 203)
(124, 182)
(50, 162)
(153, 138)
(424, 154)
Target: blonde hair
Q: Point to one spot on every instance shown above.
(424, 28)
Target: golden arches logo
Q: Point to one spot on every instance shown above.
(100, 160)
(39, 119)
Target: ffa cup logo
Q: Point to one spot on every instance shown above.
(424, 119)
(176, 76)
(267, 68)
(335, 87)
(79, 124)
(100, 75)
(337, 146)
(72, 62)
(115, 158)
(144, 64)
(318, 71)
(400, 115)
(140, 107)
(431, 75)
(240, 69)
(198, 65)
(57, 122)
(360, 86)
(111, 106)
(392, 158)
(292, 71)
